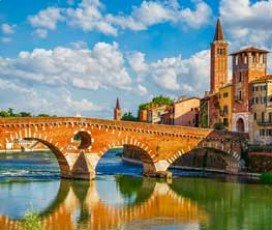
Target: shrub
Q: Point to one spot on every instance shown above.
(266, 178)
(31, 221)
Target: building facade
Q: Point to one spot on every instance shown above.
(247, 65)
(261, 108)
(186, 111)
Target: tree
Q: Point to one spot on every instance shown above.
(4, 114)
(25, 114)
(10, 111)
(43, 115)
(128, 117)
(156, 101)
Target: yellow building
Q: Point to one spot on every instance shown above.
(261, 108)
(225, 105)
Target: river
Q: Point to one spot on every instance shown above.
(120, 198)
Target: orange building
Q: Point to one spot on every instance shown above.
(209, 105)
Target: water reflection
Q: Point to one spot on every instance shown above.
(140, 203)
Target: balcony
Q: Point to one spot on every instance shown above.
(264, 122)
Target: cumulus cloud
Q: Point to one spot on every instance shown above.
(101, 67)
(89, 15)
(7, 29)
(152, 12)
(47, 18)
(191, 76)
(41, 33)
(248, 23)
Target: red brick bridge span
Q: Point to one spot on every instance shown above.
(158, 145)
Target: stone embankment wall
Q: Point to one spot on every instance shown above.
(260, 162)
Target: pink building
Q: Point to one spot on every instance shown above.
(186, 111)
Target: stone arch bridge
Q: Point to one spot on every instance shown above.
(79, 143)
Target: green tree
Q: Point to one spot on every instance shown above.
(4, 114)
(43, 115)
(157, 101)
(25, 114)
(128, 117)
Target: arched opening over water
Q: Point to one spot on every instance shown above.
(126, 160)
(205, 159)
(37, 157)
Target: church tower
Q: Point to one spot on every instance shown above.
(219, 60)
(117, 111)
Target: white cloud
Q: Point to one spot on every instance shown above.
(248, 23)
(88, 15)
(7, 29)
(47, 18)
(41, 33)
(191, 76)
(153, 12)
(101, 67)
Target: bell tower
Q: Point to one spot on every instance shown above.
(117, 111)
(219, 59)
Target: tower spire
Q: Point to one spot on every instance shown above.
(117, 111)
(117, 104)
(219, 35)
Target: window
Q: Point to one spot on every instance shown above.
(245, 59)
(255, 116)
(239, 76)
(254, 58)
(262, 132)
(262, 116)
(240, 96)
(225, 122)
(225, 94)
(270, 117)
(252, 88)
(225, 110)
(256, 100)
(236, 60)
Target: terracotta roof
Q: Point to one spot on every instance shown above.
(219, 35)
(250, 49)
(262, 79)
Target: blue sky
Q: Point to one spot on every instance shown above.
(76, 56)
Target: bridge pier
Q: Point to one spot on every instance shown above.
(159, 169)
(82, 166)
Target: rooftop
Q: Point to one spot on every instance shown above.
(262, 79)
(250, 49)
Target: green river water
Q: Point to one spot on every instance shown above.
(120, 198)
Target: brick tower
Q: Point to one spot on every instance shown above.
(117, 111)
(219, 60)
(247, 65)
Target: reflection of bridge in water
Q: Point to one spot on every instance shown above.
(79, 206)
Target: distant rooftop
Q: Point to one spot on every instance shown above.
(262, 79)
(250, 49)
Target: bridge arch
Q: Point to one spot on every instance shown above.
(230, 161)
(52, 145)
